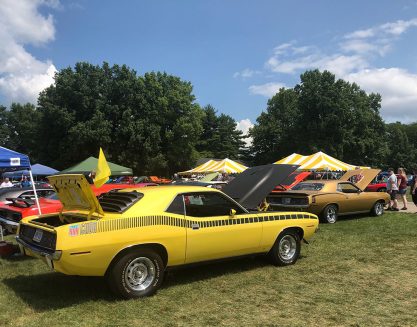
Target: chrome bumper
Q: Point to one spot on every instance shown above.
(9, 225)
(49, 256)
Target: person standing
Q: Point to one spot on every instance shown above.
(6, 183)
(402, 186)
(413, 186)
(392, 189)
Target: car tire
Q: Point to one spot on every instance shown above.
(377, 209)
(286, 249)
(136, 274)
(329, 214)
(382, 189)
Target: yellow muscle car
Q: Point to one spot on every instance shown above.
(332, 198)
(132, 236)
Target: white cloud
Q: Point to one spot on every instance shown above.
(267, 90)
(397, 87)
(246, 73)
(352, 59)
(22, 76)
(244, 125)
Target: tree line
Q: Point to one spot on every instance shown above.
(153, 124)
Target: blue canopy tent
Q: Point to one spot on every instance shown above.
(37, 170)
(10, 160)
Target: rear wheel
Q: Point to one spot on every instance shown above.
(286, 249)
(136, 274)
(329, 214)
(377, 209)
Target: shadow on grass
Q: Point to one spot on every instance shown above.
(52, 291)
(204, 271)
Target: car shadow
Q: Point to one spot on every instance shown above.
(50, 291)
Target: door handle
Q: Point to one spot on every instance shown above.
(195, 226)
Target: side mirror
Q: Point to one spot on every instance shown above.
(232, 213)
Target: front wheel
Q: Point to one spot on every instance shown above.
(329, 214)
(377, 209)
(286, 249)
(136, 274)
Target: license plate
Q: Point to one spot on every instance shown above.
(286, 200)
(38, 235)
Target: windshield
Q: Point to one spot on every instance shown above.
(308, 187)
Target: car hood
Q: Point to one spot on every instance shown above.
(367, 175)
(75, 193)
(253, 185)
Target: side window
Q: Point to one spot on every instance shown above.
(176, 206)
(26, 195)
(209, 204)
(347, 188)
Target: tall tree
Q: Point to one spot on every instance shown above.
(321, 113)
(149, 122)
(220, 137)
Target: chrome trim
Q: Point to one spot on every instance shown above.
(34, 248)
(9, 222)
(289, 205)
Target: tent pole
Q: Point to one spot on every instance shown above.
(34, 191)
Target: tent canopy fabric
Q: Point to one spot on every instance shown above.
(37, 170)
(13, 159)
(317, 161)
(90, 164)
(223, 166)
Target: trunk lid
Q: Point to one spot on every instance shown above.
(75, 193)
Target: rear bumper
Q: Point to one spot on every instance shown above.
(9, 225)
(32, 250)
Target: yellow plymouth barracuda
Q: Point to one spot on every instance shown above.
(132, 236)
(332, 198)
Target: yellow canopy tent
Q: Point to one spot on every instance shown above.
(317, 161)
(211, 166)
(228, 166)
(200, 169)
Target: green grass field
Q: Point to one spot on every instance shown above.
(358, 272)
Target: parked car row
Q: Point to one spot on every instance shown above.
(132, 235)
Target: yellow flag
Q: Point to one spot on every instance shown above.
(103, 170)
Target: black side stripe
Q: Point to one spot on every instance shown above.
(160, 220)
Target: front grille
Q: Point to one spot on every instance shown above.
(48, 240)
(287, 201)
(10, 215)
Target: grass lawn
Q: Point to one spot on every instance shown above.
(358, 272)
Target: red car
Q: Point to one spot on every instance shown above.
(12, 213)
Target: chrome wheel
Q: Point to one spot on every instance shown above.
(140, 273)
(378, 209)
(331, 214)
(287, 247)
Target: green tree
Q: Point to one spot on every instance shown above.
(401, 152)
(321, 114)
(220, 137)
(273, 132)
(149, 123)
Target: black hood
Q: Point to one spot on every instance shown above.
(254, 184)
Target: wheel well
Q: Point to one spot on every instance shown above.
(158, 248)
(335, 204)
(298, 230)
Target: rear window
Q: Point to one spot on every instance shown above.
(308, 187)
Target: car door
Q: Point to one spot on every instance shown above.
(354, 199)
(213, 233)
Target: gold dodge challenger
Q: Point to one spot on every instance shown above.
(132, 236)
(332, 198)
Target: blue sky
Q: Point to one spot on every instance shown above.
(236, 53)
